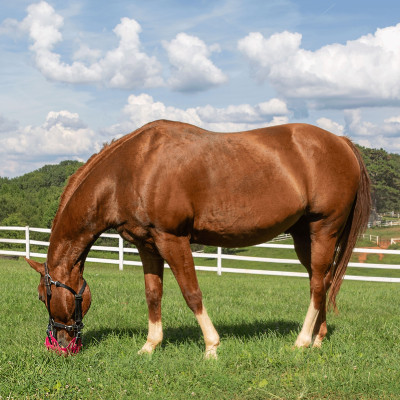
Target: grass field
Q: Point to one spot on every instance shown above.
(258, 318)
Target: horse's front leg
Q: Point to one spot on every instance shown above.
(153, 267)
(176, 251)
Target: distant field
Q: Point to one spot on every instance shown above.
(258, 318)
(386, 232)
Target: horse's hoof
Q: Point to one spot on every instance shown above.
(317, 343)
(148, 348)
(211, 353)
(302, 342)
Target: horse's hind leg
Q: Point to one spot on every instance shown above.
(153, 267)
(316, 254)
(320, 328)
(177, 253)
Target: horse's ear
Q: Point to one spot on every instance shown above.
(36, 266)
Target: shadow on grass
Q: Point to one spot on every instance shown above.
(181, 334)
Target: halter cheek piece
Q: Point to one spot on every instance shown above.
(78, 325)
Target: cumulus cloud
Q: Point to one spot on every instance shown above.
(142, 109)
(126, 66)
(385, 135)
(361, 72)
(62, 134)
(192, 69)
(331, 126)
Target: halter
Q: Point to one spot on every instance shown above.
(78, 325)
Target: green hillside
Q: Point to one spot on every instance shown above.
(32, 199)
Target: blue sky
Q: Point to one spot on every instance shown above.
(76, 74)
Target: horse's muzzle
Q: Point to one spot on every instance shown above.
(73, 347)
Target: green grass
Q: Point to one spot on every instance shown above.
(258, 318)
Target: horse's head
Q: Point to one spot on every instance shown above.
(67, 298)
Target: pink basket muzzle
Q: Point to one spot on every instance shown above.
(73, 347)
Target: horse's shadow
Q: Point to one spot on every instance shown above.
(181, 334)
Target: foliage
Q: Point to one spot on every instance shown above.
(384, 171)
(32, 199)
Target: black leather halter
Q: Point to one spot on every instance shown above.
(78, 325)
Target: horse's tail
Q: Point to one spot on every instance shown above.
(356, 223)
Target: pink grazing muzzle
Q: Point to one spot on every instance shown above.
(73, 347)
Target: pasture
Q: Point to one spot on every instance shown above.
(257, 317)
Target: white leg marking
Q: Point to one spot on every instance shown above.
(154, 337)
(211, 337)
(305, 336)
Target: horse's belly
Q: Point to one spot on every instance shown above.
(242, 229)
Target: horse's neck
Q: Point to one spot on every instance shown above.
(73, 233)
(67, 249)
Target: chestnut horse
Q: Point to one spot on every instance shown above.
(169, 184)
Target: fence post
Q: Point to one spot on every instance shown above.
(27, 243)
(121, 253)
(219, 261)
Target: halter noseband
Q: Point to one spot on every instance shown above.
(78, 325)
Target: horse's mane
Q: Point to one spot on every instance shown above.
(79, 176)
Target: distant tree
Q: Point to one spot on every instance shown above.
(384, 171)
(32, 199)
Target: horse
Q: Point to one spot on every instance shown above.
(169, 184)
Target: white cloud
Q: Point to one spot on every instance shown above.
(62, 134)
(331, 126)
(142, 109)
(385, 135)
(356, 126)
(192, 69)
(126, 66)
(361, 72)
(85, 53)
(393, 120)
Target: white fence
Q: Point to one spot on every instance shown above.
(219, 256)
(372, 238)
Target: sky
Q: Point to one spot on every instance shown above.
(76, 74)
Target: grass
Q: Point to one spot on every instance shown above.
(258, 318)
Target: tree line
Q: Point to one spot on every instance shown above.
(32, 199)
